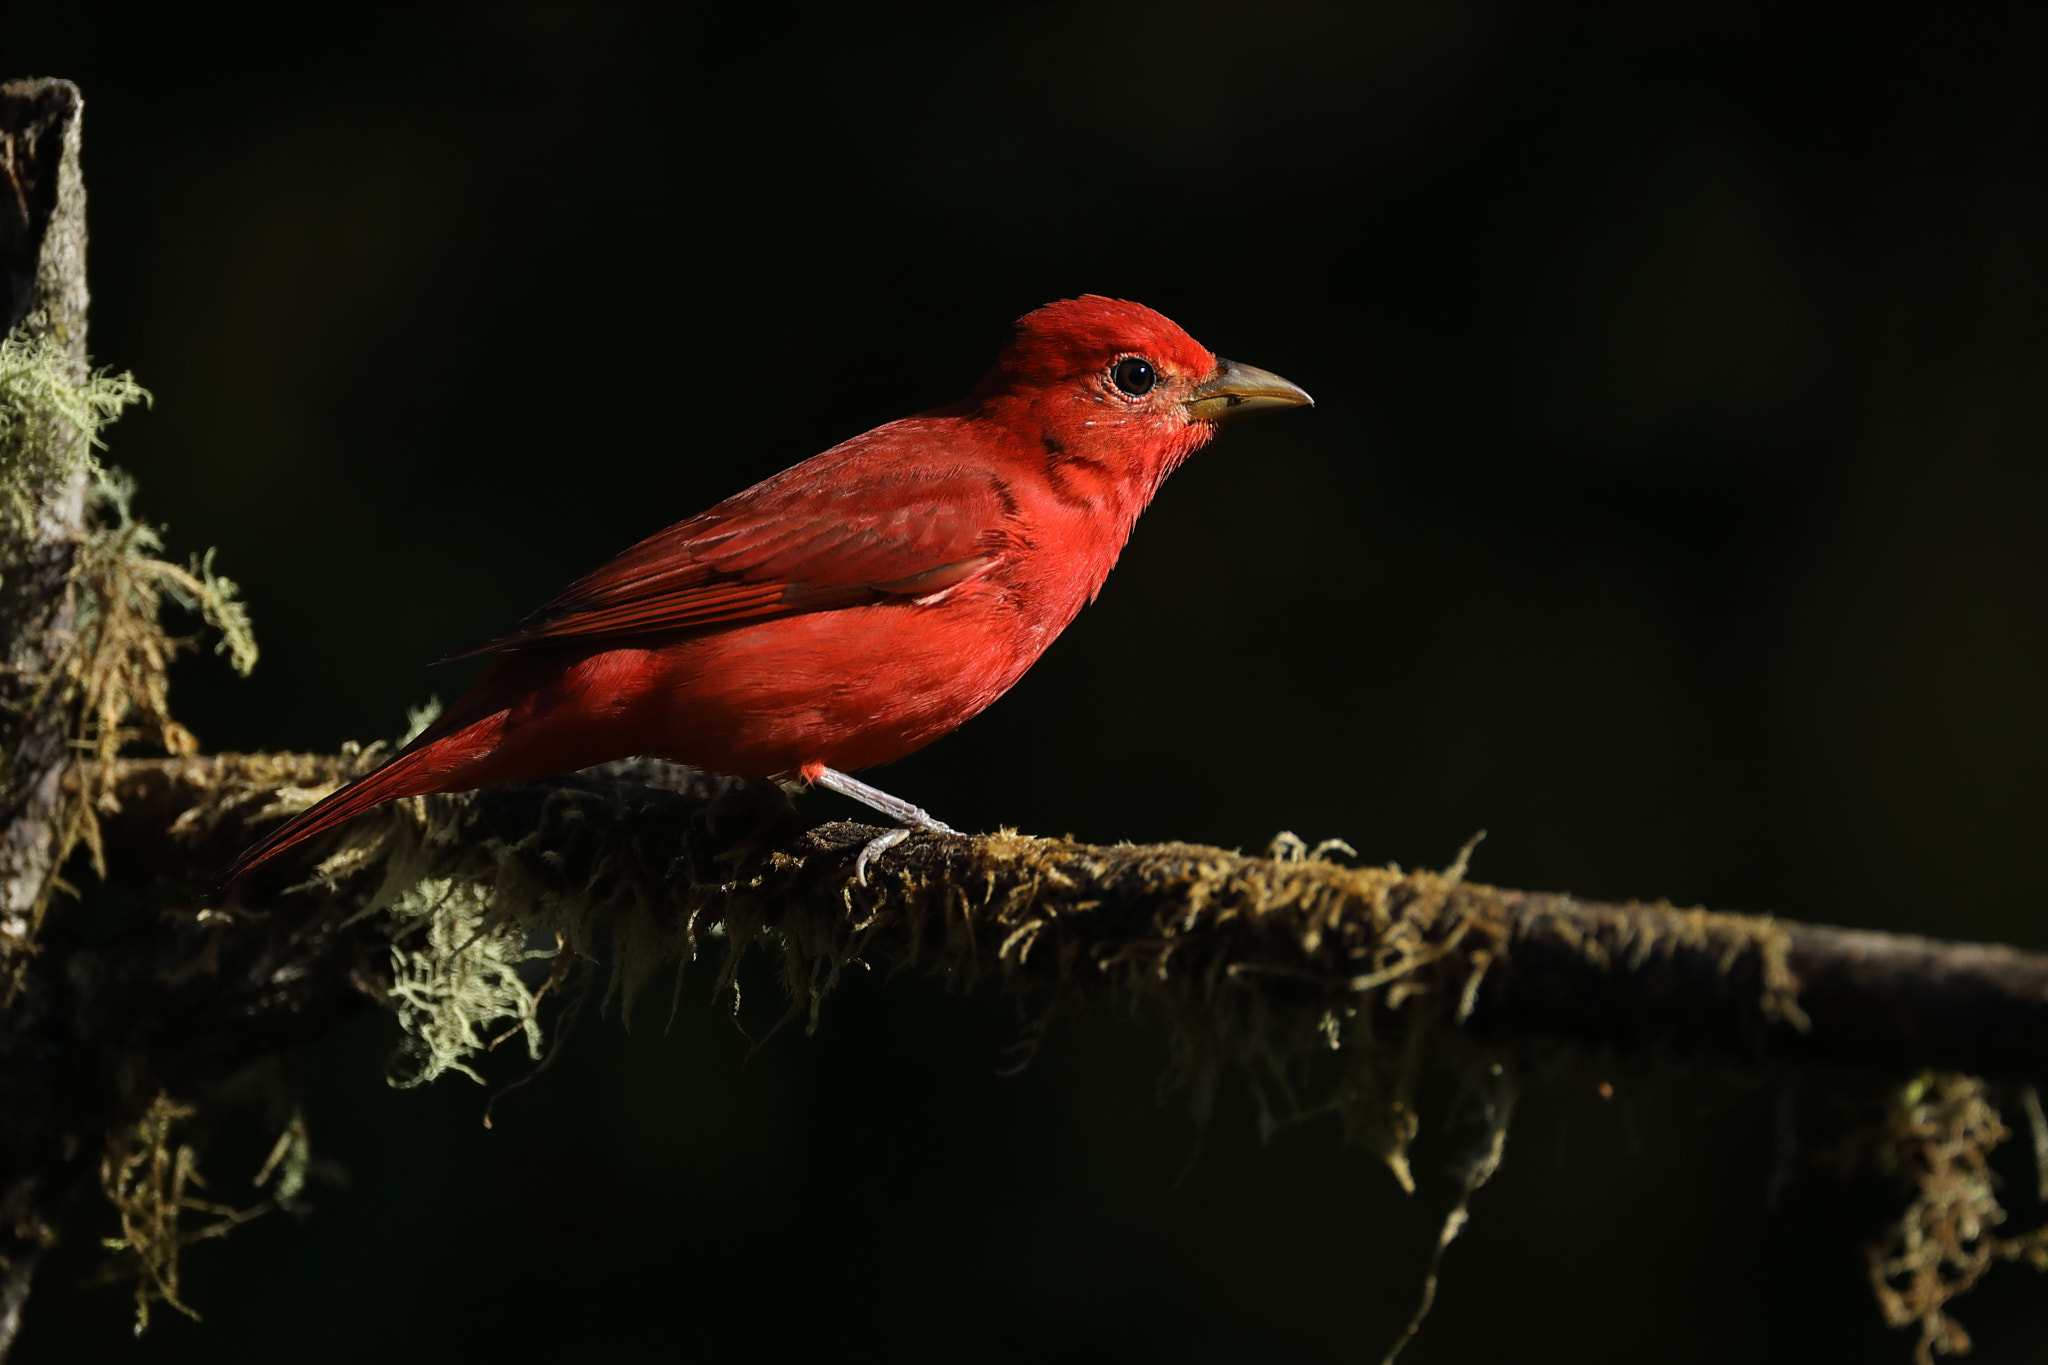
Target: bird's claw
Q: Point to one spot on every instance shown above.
(881, 843)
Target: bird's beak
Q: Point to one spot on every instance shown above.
(1235, 390)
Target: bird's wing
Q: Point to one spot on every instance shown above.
(782, 548)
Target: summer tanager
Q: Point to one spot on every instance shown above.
(858, 606)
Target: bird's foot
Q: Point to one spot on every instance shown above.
(895, 807)
(876, 846)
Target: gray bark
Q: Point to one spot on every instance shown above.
(42, 268)
(42, 278)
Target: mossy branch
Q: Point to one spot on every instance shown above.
(1328, 988)
(628, 858)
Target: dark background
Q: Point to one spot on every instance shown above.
(1672, 510)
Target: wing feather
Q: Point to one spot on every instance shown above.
(786, 546)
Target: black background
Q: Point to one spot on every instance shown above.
(1672, 510)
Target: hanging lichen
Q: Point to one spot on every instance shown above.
(464, 981)
(49, 427)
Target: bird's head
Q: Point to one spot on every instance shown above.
(1115, 382)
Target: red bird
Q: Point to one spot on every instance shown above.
(855, 608)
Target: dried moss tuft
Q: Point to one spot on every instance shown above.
(113, 672)
(1938, 1139)
(149, 1181)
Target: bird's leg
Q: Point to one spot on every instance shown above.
(895, 807)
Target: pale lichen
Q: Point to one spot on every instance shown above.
(464, 981)
(49, 426)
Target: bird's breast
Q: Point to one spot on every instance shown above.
(849, 688)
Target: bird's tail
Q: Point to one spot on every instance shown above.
(433, 762)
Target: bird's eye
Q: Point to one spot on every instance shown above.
(1134, 376)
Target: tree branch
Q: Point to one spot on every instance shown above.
(608, 855)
